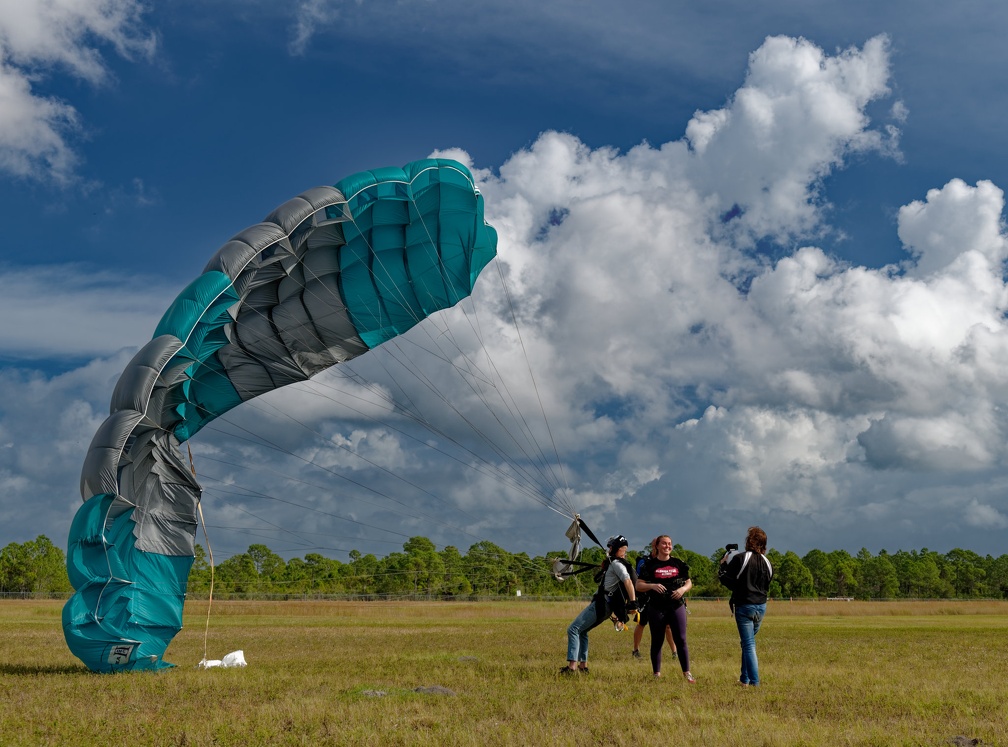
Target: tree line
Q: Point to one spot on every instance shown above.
(485, 569)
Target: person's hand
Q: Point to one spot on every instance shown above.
(660, 588)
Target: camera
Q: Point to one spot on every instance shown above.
(733, 546)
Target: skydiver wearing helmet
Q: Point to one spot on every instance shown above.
(616, 594)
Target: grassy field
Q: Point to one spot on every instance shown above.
(390, 673)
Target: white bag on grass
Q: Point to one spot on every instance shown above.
(234, 659)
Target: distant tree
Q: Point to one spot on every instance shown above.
(775, 558)
(968, 574)
(794, 578)
(326, 575)
(997, 576)
(823, 572)
(845, 571)
(269, 566)
(34, 566)
(199, 575)
(487, 567)
(394, 575)
(238, 575)
(362, 573)
(455, 582)
(702, 571)
(878, 576)
(426, 566)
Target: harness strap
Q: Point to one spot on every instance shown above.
(746, 560)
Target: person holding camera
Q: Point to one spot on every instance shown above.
(666, 581)
(748, 576)
(616, 595)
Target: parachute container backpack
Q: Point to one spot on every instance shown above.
(324, 278)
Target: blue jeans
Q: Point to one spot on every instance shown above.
(577, 631)
(748, 618)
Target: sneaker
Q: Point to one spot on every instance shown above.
(567, 671)
(689, 678)
(636, 654)
(583, 670)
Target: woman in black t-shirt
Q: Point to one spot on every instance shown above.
(666, 581)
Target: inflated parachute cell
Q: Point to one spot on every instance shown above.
(324, 278)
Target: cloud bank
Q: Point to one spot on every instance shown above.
(60, 37)
(703, 364)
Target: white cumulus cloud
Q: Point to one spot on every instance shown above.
(56, 37)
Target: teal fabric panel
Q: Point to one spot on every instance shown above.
(192, 303)
(128, 604)
(198, 317)
(208, 394)
(415, 235)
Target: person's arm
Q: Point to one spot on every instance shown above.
(643, 585)
(682, 590)
(725, 574)
(631, 592)
(647, 586)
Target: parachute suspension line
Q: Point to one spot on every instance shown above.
(514, 319)
(483, 437)
(446, 332)
(289, 502)
(484, 466)
(472, 377)
(199, 506)
(266, 442)
(545, 468)
(259, 440)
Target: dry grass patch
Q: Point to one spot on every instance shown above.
(835, 673)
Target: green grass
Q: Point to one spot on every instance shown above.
(834, 673)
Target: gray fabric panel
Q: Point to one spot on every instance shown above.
(291, 286)
(321, 261)
(299, 336)
(231, 258)
(261, 236)
(159, 482)
(324, 302)
(102, 460)
(293, 212)
(330, 235)
(250, 377)
(137, 381)
(331, 320)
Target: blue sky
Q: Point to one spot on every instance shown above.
(825, 363)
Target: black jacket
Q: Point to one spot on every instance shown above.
(748, 576)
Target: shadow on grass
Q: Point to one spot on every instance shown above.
(35, 670)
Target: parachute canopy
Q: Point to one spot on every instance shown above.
(325, 277)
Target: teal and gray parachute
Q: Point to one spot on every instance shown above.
(326, 277)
